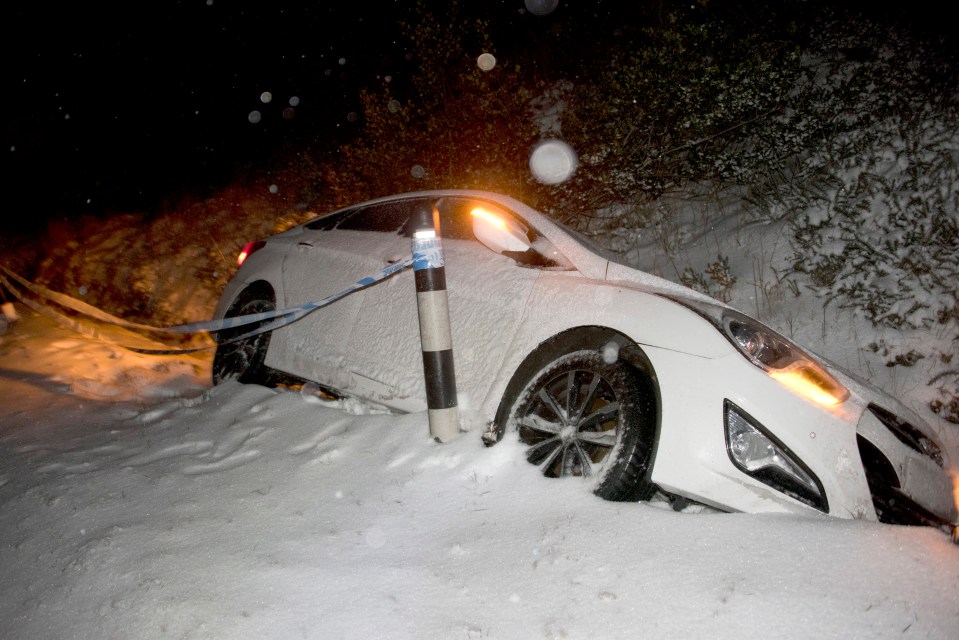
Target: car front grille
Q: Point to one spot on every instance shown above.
(908, 434)
(891, 504)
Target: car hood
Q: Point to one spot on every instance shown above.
(618, 273)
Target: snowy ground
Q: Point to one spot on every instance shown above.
(138, 502)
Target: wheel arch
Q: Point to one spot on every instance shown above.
(574, 339)
(261, 279)
(250, 289)
(256, 371)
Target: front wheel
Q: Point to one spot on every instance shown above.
(584, 416)
(243, 359)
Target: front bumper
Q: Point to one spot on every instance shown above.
(906, 474)
(867, 471)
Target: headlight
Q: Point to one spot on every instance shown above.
(782, 360)
(773, 353)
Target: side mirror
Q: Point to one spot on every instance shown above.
(497, 232)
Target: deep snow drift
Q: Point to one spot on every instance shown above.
(138, 502)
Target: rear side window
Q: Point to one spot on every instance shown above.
(327, 222)
(387, 217)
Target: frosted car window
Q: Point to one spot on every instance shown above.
(389, 217)
(327, 222)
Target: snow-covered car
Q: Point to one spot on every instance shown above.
(639, 385)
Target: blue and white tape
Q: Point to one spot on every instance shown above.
(279, 317)
(427, 253)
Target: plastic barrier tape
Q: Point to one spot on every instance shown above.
(279, 317)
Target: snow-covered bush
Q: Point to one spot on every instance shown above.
(690, 101)
(849, 132)
(875, 205)
(720, 279)
(162, 269)
(885, 240)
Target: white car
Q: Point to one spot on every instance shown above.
(637, 384)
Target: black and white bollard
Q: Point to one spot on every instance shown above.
(435, 335)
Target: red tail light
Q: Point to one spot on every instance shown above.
(248, 250)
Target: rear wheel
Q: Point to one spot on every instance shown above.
(583, 416)
(243, 359)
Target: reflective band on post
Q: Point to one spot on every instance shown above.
(435, 334)
(430, 279)
(439, 394)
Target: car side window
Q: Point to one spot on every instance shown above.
(455, 220)
(387, 217)
(327, 222)
(456, 223)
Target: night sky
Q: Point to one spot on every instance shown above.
(118, 107)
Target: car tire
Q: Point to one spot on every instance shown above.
(243, 360)
(583, 416)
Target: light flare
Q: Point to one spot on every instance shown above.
(810, 387)
(492, 218)
(955, 487)
(248, 250)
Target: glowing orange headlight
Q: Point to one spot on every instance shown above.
(782, 360)
(811, 384)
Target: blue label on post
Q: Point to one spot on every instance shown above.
(427, 253)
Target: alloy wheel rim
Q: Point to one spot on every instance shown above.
(571, 424)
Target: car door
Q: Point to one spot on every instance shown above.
(331, 254)
(487, 295)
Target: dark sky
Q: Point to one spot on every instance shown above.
(112, 105)
(116, 107)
